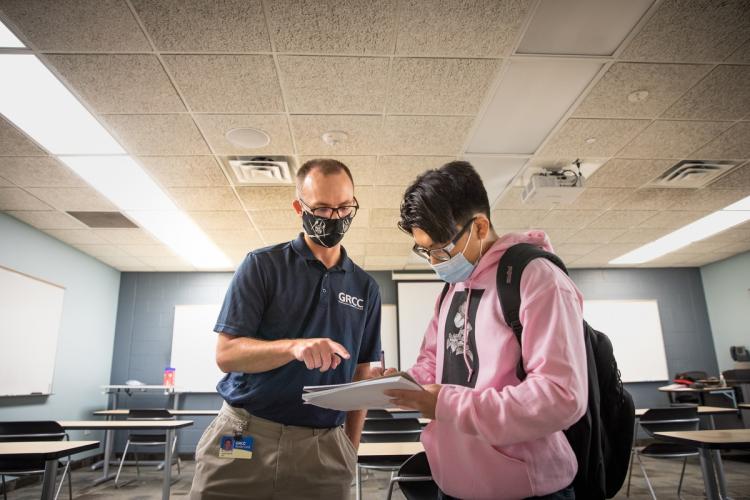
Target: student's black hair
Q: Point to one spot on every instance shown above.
(327, 166)
(440, 201)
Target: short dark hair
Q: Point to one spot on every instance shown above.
(327, 166)
(443, 199)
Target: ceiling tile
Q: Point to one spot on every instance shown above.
(363, 168)
(392, 235)
(227, 83)
(102, 250)
(76, 236)
(205, 25)
(737, 234)
(258, 198)
(425, 135)
(276, 219)
(709, 199)
(276, 236)
(665, 83)
(722, 95)
(704, 246)
(672, 219)
(355, 250)
(594, 198)
(48, 219)
(477, 28)
(569, 218)
(653, 199)
(526, 219)
(147, 250)
(5, 183)
(185, 171)
(221, 220)
(77, 25)
(384, 217)
(380, 196)
(276, 127)
(741, 55)
(672, 139)
(205, 199)
(12, 198)
(158, 134)
(167, 263)
(38, 171)
(388, 249)
(575, 249)
(384, 263)
(511, 199)
(439, 86)
(124, 262)
(403, 170)
(119, 83)
(331, 26)
(738, 178)
(595, 236)
(236, 253)
(556, 235)
(641, 235)
(74, 199)
(364, 134)
(609, 136)
(733, 143)
(616, 219)
(624, 173)
(602, 255)
(126, 236)
(339, 85)
(13, 142)
(691, 31)
(235, 237)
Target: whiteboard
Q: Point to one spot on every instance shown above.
(416, 305)
(194, 348)
(634, 327)
(389, 335)
(30, 314)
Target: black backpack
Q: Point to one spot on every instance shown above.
(603, 437)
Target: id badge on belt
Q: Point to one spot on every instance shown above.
(237, 446)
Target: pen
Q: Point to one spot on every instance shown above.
(382, 361)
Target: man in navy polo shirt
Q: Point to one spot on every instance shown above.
(300, 313)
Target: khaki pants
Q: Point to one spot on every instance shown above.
(288, 462)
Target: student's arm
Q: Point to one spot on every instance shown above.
(248, 355)
(355, 420)
(423, 370)
(555, 393)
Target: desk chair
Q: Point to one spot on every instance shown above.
(141, 439)
(414, 479)
(666, 420)
(32, 431)
(386, 430)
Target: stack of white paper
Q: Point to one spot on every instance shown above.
(362, 395)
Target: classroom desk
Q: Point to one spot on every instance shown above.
(702, 410)
(707, 442)
(390, 451)
(50, 452)
(177, 413)
(727, 391)
(744, 406)
(111, 425)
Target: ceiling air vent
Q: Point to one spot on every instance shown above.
(693, 173)
(249, 170)
(103, 219)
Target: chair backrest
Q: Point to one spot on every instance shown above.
(670, 419)
(737, 376)
(417, 466)
(150, 414)
(393, 430)
(40, 430)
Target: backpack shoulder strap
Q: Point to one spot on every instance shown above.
(446, 287)
(509, 271)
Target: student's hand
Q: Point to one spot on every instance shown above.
(324, 354)
(389, 371)
(424, 401)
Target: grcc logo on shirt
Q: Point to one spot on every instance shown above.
(351, 301)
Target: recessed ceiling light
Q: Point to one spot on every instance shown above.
(591, 140)
(250, 138)
(638, 96)
(334, 137)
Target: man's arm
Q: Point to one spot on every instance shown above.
(355, 420)
(248, 355)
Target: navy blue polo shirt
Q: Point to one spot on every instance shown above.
(284, 292)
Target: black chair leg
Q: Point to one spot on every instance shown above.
(70, 483)
(5, 491)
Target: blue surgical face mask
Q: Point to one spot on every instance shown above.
(457, 268)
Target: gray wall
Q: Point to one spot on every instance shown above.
(147, 300)
(87, 325)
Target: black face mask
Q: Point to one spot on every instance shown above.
(325, 232)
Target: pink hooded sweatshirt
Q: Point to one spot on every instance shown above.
(502, 439)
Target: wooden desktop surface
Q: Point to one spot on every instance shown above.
(48, 450)
(124, 424)
(714, 439)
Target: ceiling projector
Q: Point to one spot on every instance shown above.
(554, 185)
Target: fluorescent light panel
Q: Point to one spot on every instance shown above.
(531, 99)
(8, 40)
(40, 105)
(496, 172)
(581, 27)
(703, 228)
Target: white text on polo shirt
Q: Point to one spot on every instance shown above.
(351, 301)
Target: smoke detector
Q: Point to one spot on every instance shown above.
(334, 137)
(260, 170)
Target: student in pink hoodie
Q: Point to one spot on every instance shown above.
(492, 436)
